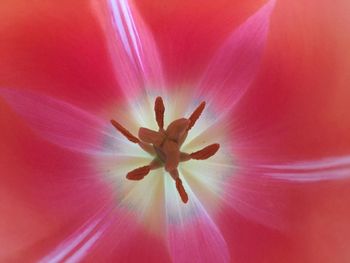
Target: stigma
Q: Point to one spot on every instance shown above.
(164, 145)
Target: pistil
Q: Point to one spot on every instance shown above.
(165, 145)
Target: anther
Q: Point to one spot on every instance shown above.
(159, 109)
(179, 187)
(195, 115)
(206, 152)
(181, 190)
(125, 132)
(138, 173)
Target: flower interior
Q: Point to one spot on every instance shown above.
(164, 145)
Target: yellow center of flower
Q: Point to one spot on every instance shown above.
(164, 145)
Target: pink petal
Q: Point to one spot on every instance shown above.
(45, 191)
(258, 198)
(112, 235)
(50, 206)
(127, 240)
(74, 247)
(68, 187)
(60, 122)
(243, 190)
(298, 107)
(237, 62)
(132, 48)
(192, 234)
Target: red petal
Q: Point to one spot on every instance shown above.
(42, 49)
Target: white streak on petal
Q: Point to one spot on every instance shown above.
(135, 38)
(132, 48)
(70, 244)
(84, 249)
(323, 163)
(331, 168)
(119, 24)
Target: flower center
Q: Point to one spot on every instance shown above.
(164, 145)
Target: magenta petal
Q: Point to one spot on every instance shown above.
(258, 198)
(59, 122)
(126, 240)
(192, 234)
(96, 238)
(237, 62)
(131, 46)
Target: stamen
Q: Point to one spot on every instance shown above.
(165, 145)
(125, 132)
(174, 174)
(184, 157)
(180, 188)
(138, 173)
(206, 152)
(159, 109)
(195, 115)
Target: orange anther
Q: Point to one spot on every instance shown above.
(138, 173)
(206, 152)
(180, 188)
(125, 132)
(195, 115)
(159, 109)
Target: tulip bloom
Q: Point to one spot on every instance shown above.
(137, 156)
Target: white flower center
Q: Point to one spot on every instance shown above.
(170, 157)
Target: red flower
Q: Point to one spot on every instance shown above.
(199, 174)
